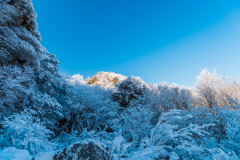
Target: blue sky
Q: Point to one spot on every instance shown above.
(158, 40)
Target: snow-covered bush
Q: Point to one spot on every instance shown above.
(136, 123)
(119, 146)
(46, 108)
(16, 84)
(95, 110)
(18, 91)
(223, 135)
(192, 134)
(65, 139)
(49, 80)
(129, 89)
(230, 142)
(84, 150)
(25, 131)
(171, 96)
(177, 138)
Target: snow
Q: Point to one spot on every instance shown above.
(149, 153)
(45, 155)
(12, 153)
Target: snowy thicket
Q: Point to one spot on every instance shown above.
(42, 110)
(25, 131)
(156, 121)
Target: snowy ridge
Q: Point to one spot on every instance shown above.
(106, 79)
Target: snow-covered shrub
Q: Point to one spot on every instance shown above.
(16, 84)
(119, 146)
(171, 96)
(223, 138)
(45, 107)
(231, 140)
(136, 123)
(18, 91)
(192, 134)
(205, 115)
(94, 111)
(87, 149)
(49, 80)
(176, 138)
(129, 89)
(64, 139)
(25, 131)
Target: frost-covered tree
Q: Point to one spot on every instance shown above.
(49, 80)
(212, 90)
(229, 93)
(207, 88)
(172, 96)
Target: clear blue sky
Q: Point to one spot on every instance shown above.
(158, 40)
